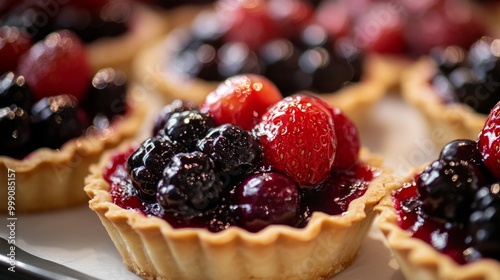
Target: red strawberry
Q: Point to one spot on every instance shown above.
(58, 65)
(298, 138)
(14, 42)
(489, 142)
(241, 100)
(348, 143)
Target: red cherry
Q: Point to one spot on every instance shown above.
(241, 100)
(58, 65)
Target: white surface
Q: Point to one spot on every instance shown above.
(77, 239)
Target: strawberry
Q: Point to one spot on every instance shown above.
(298, 138)
(348, 143)
(57, 65)
(241, 100)
(14, 42)
(489, 142)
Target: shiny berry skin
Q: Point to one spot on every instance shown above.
(14, 42)
(15, 131)
(65, 67)
(348, 143)
(464, 150)
(290, 15)
(175, 106)
(298, 138)
(446, 189)
(15, 91)
(489, 142)
(147, 163)
(264, 199)
(107, 94)
(241, 100)
(484, 222)
(233, 150)
(237, 58)
(187, 127)
(189, 187)
(56, 120)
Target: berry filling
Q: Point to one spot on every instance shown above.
(216, 175)
(454, 203)
(47, 106)
(469, 76)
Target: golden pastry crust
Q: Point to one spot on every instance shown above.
(446, 121)
(418, 259)
(152, 249)
(51, 179)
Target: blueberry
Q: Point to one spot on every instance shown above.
(56, 120)
(189, 187)
(187, 127)
(234, 151)
(15, 91)
(264, 199)
(107, 94)
(175, 106)
(484, 222)
(446, 188)
(15, 131)
(466, 151)
(147, 163)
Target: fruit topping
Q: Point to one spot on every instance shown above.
(298, 138)
(147, 163)
(16, 131)
(189, 187)
(241, 100)
(15, 91)
(14, 42)
(233, 150)
(278, 170)
(65, 67)
(187, 127)
(264, 199)
(489, 142)
(107, 94)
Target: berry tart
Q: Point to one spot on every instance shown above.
(278, 39)
(456, 88)
(442, 222)
(112, 30)
(258, 188)
(56, 118)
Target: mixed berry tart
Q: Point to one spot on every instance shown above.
(442, 222)
(112, 30)
(264, 187)
(56, 118)
(456, 88)
(280, 39)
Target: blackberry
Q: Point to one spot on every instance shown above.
(107, 94)
(15, 91)
(15, 131)
(174, 107)
(446, 189)
(484, 226)
(187, 127)
(189, 187)
(233, 150)
(56, 120)
(147, 163)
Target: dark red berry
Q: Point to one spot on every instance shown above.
(186, 128)
(264, 199)
(15, 91)
(189, 187)
(175, 107)
(348, 143)
(147, 163)
(489, 142)
(14, 42)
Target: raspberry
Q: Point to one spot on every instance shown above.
(489, 142)
(298, 138)
(65, 67)
(14, 42)
(241, 100)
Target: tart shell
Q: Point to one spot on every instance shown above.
(446, 121)
(49, 179)
(419, 260)
(152, 249)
